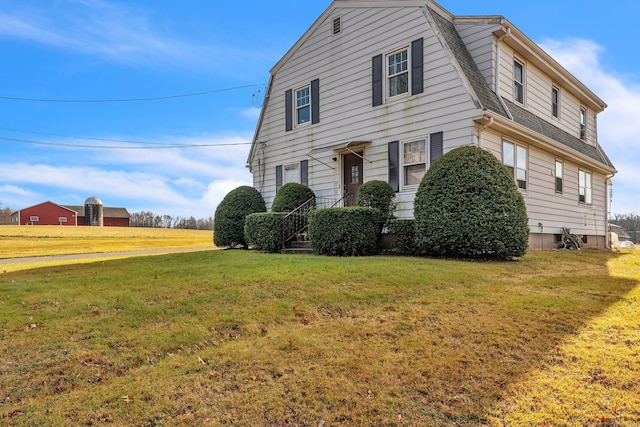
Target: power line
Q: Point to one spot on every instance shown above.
(159, 98)
(119, 147)
(85, 137)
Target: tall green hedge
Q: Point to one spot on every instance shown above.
(345, 231)
(263, 231)
(468, 206)
(228, 222)
(290, 196)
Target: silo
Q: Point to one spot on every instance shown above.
(93, 212)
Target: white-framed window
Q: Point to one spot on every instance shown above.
(34, 218)
(555, 102)
(291, 173)
(585, 182)
(583, 122)
(303, 105)
(518, 82)
(414, 164)
(559, 176)
(398, 72)
(62, 219)
(514, 157)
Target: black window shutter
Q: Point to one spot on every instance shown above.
(288, 109)
(394, 165)
(304, 172)
(278, 177)
(377, 73)
(315, 101)
(436, 142)
(417, 66)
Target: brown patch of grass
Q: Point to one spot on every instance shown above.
(241, 338)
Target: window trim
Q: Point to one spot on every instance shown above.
(559, 181)
(555, 103)
(582, 120)
(521, 83)
(585, 185)
(291, 167)
(404, 164)
(514, 165)
(297, 108)
(388, 76)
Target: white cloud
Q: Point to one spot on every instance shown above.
(618, 124)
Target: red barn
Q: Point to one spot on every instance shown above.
(46, 213)
(49, 213)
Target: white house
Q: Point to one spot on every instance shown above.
(378, 89)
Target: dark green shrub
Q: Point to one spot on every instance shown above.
(379, 195)
(228, 223)
(400, 237)
(263, 231)
(290, 196)
(345, 231)
(468, 206)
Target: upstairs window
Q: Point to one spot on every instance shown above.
(559, 176)
(585, 187)
(514, 158)
(583, 123)
(555, 102)
(518, 82)
(398, 72)
(303, 105)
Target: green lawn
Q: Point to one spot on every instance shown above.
(244, 338)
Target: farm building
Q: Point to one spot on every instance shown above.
(379, 89)
(92, 213)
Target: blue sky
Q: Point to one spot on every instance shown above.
(184, 153)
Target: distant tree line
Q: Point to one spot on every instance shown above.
(5, 215)
(630, 222)
(151, 220)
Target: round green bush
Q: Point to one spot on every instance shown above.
(400, 237)
(345, 231)
(290, 196)
(468, 206)
(379, 195)
(228, 222)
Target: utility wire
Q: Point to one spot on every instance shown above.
(119, 147)
(159, 98)
(85, 137)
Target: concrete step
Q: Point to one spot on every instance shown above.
(299, 247)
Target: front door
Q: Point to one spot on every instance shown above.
(352, 177)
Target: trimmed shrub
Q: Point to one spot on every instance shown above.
(468, 206)
(400, 237)
(345, 231)
(263, 231)
(290, 196)
(228, 223)
(379, 195)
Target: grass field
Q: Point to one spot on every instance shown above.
(29, 241)
(243, 338)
